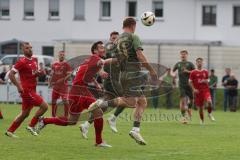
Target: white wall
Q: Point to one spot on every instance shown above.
(182, 21)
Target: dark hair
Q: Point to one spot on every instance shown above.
(129, 22)
(114, 33)
(184, 51)
(95, 45)
(212, 70)
(199, 58)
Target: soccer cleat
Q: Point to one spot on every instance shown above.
(10, 134)
(201, 122)
(104, 145)
(211, 117)
(112, 123)
(137, 137)
(84, 130)
(184, 120)
(32, 130)
(40, 125)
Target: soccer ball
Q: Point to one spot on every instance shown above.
(148, 18)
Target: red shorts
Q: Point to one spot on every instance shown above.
(30, 98)
(58, 94)
(203, 95)
(79, 98)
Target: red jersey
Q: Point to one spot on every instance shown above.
(59, 71)
(197, 77)
(88, 70)
(27, 68)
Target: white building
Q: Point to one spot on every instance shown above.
(44, 21)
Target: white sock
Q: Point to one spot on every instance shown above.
(137, 129)
(113, 117)
(86, 124)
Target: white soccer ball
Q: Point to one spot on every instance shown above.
(148, 18)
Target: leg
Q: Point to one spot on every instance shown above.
(1, 116)
(55, 97)
(225, 100)
(43, 108)
(19, 119)
(201, 114)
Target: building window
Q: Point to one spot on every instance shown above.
(236, 15)
(4, 9)
(105, 9)
(158, 8)
(209, 15)
(79, 9)
(132, 8)
(53, 9)
(28, 9)
(48, 50)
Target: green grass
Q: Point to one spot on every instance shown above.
(167, 139)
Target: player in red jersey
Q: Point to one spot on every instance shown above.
(80, 97)
(27, 68)
(199, 83)
(61, 72)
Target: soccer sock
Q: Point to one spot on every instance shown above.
(136, 126)
(57, 121)
(13, 127)
(201, 115)
(118, 111)
(190, 105)
(209, 110)
(98, 125)
(33, 122)
(54, 109)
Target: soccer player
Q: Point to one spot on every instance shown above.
(27, 68)
(61, 72)
(184, 67)
(80, 97)
(111, 86)
(131, 58)
(199, 82)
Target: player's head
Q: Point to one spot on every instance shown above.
(212, 71)
(98, 48)
(61, 56)
(199, 62)
(41, 65)
(228, 71)
(26, 49)
(113, 36)
(184, 55)
(129, 24)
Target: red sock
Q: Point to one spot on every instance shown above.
(54, 109)
(33, 122)
(98, 125)
(57, 121)
(201, 116)
(13, 126)
(209, 109)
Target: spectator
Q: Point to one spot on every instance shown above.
(232, 85)
(213, 86)
(43, 76)
(171, 82)
(3, 74)
(224, 82)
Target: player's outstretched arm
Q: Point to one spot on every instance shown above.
(14, 81)
(145, 64)
(110, 61)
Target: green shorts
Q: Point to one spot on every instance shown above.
(186, 91)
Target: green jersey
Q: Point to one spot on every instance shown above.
(183, 76)
(213, 81)
(127, 45)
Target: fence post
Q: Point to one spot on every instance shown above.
(208, 56)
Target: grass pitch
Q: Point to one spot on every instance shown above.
(166, 138)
